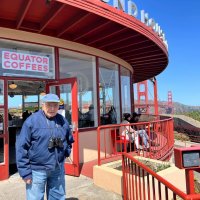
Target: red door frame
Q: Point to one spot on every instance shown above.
(4, 167)
(71, 168)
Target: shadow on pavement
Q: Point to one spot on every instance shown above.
(72, 198)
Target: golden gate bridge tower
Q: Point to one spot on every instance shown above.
(170, 108)
(146, 106)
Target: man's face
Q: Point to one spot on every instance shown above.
(50, 109)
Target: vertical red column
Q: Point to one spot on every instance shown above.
(142, 94)
(155, 96)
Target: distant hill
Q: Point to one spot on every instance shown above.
(181, 108)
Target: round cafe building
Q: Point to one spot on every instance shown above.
(89, 53)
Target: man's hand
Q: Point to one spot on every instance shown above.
(28, 181)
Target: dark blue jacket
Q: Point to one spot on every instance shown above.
(32, 150)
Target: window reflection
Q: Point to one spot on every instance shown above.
(1, 122)
(1, 132)
(20, 107)
(82, 67)
(1, 92)
(125, 90)
(109, 92)
(66, 102)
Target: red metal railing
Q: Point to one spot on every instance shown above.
(141, 183)
(111, 143)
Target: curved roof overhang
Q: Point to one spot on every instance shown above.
(92, 23)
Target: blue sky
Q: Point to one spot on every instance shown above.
(180, 20)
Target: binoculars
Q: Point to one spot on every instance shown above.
(55, 142)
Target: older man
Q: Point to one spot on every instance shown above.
(41, 148)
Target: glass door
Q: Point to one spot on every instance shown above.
(66, 89)
(4, 142)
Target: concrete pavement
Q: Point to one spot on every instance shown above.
(77, 188)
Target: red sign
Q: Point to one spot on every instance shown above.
(24, 62)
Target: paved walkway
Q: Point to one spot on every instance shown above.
(77, 188)
(188, 120)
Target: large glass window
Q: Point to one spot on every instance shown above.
(26, 60)
(23, 100)
(1, 92)
(1, 121)
(109, 92)
(83, 67)
(1, 139)
(125, 90)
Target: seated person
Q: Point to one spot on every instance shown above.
(25, 115)
(68, 113)
(109, 117)
(128, 132)
(112, 115)
(90, 116)
(1, 123)
(9, 117)
(141, 132)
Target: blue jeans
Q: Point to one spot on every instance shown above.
(54, 181)
(145, 137)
